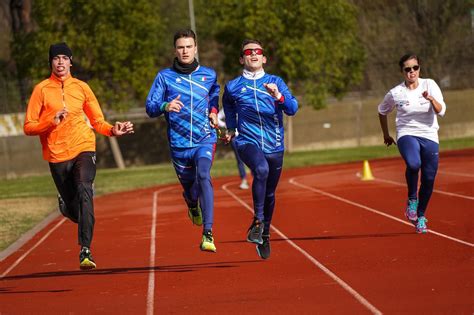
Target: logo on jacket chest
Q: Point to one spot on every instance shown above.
(202, 79)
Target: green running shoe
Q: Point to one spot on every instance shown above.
(194, 211)
(195, 214)
(207, 242)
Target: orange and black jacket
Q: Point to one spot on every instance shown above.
(73, 135)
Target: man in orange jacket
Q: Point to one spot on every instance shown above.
(55, 113)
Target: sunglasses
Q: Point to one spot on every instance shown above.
(257, 51)
(408, 69)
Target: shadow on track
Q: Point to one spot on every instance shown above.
(131, 270)
(334, 237)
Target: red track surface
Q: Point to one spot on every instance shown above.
(342, 246)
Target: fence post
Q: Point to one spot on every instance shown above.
(116, 152)
(359, 120)
(6, 157)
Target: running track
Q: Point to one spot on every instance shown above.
(340, 246)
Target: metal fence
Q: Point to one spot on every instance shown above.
(354, 121)
(350, 122)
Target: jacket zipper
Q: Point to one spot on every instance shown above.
(258, 110)
(191, 122)
(62, 93)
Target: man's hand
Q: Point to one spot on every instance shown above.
(122, 128)
(272, 88)
(213, 120)
(229, 134)
(60, 116)
(175, 105)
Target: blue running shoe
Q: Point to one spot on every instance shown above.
(421, 225)
(411, 211)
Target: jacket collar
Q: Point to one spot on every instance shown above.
(59, 80)
(253, 75)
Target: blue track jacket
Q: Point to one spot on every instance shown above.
(200, 95)
(255, 113)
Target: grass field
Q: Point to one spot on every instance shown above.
(26, 201)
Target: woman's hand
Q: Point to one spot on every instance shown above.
(388, 141)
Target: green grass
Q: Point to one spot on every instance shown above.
(113, 180)
(34, 189)
(20, 214)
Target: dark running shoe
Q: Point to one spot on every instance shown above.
(255, 231)
(63, 209)
(263, 250)
(86, 262)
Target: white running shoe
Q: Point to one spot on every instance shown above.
(244, 184)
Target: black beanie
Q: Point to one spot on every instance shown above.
(59, 49)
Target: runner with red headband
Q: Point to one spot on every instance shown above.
(254, 104)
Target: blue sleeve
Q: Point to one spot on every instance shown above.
(214, 97)
(290, 104)
(156, 97)
(229, 109)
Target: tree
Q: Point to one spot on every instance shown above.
(116, 45)
(438, 31)
(312, 44)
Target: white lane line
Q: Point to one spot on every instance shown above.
(434, 190)
(32, 248)
(293, 181)
(455, 174)
(150, 299)
(328, 272)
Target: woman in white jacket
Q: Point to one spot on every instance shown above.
(418, 102)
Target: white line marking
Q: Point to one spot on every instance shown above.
(150, 299)
(434, 190)
(328, 272)
(32, 248)
(293, 181)
(455, 173)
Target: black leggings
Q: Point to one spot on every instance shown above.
(74, 180)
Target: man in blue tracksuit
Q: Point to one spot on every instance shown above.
(187, 94)
(254, 104)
